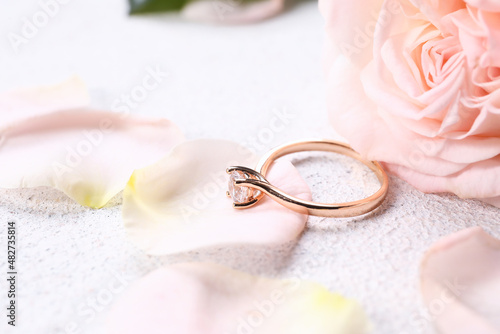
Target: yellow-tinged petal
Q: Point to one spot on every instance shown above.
(179, 203)
(203, 298)
(87, 154)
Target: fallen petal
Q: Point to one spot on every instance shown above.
(23, 103)
(460, 281)
(232, 11)
(89, 155)
(179, 203)
(202, 298)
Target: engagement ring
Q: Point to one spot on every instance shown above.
(248, 186)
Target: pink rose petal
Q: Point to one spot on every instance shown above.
(424, 97)
(434, 10)
(460, 281)
(232, 11)
(351, 34)
(179, 204)
(20, 104)
(459, 182)
(87, 154)
(487, 5)
(203, 298)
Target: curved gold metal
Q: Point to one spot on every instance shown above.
(348, 209)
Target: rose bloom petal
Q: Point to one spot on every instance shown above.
(460, 281)
(232, 12)
(409, 100)
(458, 183)
(87, 154)
(487, 5)
(351, 33)
(435, 10)
(495, 201)
(179, 203)
(195, 298)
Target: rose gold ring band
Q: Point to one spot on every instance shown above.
(253, 184)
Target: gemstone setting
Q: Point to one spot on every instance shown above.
(239, 194)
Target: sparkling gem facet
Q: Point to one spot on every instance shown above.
(239, 194)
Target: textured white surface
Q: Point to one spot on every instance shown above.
(223, 82)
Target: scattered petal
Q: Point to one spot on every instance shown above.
(179, 203)
(232, 11)
(20, 104)
(196, 298)
(87, 154)
(460, 280)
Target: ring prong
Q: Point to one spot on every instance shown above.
(230, 169)
(228, 194)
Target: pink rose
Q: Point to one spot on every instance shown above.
(416, 84)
